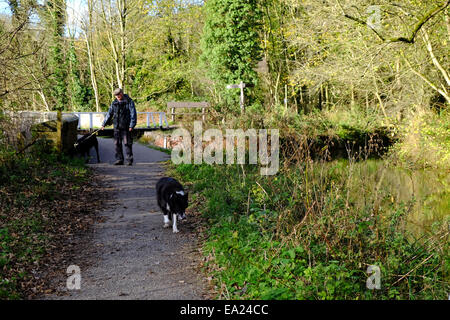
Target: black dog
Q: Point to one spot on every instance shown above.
(84, 145)
(173, 201)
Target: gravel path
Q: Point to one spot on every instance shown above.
(132, 256)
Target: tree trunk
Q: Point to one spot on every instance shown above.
(91, 58)
(122, 7)
(59, 131)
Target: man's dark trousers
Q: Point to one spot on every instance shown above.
(123, 135)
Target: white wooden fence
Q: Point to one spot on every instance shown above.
(91, 120)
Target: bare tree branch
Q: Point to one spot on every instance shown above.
(424, 78)
(411, 39)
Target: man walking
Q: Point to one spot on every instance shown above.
(122, 113)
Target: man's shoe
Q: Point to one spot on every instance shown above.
(130, 163)
(118, 163)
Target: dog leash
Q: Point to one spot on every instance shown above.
(95, 132)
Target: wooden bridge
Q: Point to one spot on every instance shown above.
(76, 123)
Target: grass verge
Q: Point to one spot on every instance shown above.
(44, 201)
(301, 234)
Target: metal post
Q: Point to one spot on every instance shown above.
(91, 121)
(153, 120)
(79, 120)
(160, 119)
(165, 119)
(148, 120)
(242, 86)
(285, 97)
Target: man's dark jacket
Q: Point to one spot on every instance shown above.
(121, 113)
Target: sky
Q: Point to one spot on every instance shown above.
(4, 7)
(74, 11)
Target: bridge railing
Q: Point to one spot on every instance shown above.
(91, 120)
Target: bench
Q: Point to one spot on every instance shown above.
(172, 106)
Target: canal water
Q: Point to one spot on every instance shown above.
(425, 194)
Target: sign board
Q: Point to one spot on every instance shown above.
(241, 86)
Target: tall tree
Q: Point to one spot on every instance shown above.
(88, 32)
(78, 91)
(231, 45)
(57, 61)
(20, 10)
(57, 12)
(115, 15)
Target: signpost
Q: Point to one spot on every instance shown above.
(241, 86)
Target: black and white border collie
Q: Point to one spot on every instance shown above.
(173, 201)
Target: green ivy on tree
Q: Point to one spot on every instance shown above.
(57, 9)
(79, 91)
(231, 46)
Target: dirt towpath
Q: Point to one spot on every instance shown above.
(131, 255)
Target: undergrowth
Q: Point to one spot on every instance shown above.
(37, 200)
(301, 235)
(424, 141)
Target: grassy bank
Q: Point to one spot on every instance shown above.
(419, 140)
(310, 232)
(41, 206)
